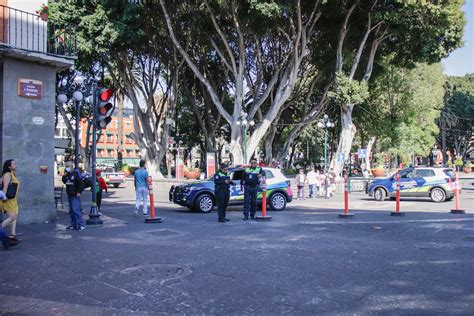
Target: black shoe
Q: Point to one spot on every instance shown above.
(10, 243)
(227, 220)
(13, 238)
(246, 218)
(70, 227)
(221, 220)
(252, 217)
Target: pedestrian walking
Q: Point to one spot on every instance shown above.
(301, 181)
(312, 177)
(6, 241)
(74, 187)
(222, 184)
(101, 186)
(11, 187)
(141, 188)
(250, 183)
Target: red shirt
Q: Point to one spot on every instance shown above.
(102, 184)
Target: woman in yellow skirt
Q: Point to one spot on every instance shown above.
(10, 206)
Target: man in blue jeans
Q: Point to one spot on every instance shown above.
(141, 188)
(74, 187)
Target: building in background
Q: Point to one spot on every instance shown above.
(32, 50)
(108, 143)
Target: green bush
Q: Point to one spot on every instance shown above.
(458, 162)
(289, 172)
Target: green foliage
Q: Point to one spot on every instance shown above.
(402, 109)
(458, 113)
(266, 8)
(349, 91)
(458, 161)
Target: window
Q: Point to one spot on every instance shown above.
(268, 174)
(110, 138)
(110, 153)
(450, 173)
(424, 173)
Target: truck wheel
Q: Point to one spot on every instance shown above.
(205, 203)
(379, 194)
(116, 185)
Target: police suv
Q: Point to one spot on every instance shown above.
(435, 183)
(199, 195)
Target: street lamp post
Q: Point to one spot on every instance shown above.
(78, 97)
(435, 153)
(245, 123)
(325, 123)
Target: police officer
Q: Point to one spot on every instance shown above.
(251, 182)
(222, 184)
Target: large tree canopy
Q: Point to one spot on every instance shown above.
(270, 58)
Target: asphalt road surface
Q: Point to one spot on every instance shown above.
(305, 261)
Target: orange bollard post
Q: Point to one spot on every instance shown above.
(264, 216)
(457, 210)
(397, 194)
(346, 213)
(152, 218)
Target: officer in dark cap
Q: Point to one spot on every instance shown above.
(222, 191)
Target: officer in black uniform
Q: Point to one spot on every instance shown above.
(222, 184)
(251, 183)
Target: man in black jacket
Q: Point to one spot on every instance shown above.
(74, 187)
(222, 184)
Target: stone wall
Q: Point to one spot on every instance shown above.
(28, 137)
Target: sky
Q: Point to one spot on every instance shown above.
(461, 61)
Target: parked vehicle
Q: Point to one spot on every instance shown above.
(435, 183)
(199, 195)
(113, 178)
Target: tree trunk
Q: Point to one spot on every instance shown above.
(370, 145)
(348, 131)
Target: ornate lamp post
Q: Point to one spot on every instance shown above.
(326, 123)
(245, 123)
(77, 96)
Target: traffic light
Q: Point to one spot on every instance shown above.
(105, 108)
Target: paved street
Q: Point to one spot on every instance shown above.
(305, 261)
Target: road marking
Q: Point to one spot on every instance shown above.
(390, 222)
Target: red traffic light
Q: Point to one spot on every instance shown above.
(105, 108)
(106, 94)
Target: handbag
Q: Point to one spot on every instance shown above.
(11, 191)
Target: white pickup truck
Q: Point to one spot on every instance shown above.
(113, 178)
